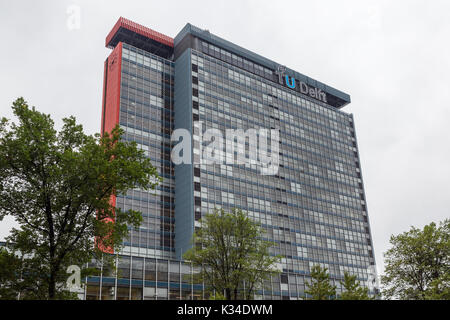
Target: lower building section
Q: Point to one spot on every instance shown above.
(138, 278)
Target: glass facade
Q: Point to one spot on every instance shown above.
(141, 278)
(313, 209)
(146, 116)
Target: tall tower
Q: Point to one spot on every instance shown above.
(312, 207)
(138, 95)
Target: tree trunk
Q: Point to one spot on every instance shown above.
(51, 285)
(227, 294)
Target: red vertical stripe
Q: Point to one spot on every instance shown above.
(111, 103)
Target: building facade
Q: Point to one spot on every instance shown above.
(312, 206)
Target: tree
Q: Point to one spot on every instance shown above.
(320, 287)
(58, 186)
(233, 257)
(418, 264)
(21, 278)
(9, 264)
(352, 289)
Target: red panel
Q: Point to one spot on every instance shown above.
(144, 31)
(105, 66)
(111, 102)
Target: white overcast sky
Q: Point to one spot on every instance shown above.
(392, 57)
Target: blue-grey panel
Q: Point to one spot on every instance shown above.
(184, 181)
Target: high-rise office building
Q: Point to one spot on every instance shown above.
(311, 204)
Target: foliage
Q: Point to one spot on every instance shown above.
(21, 278)
(58, 186)
(352, 290)
(320, 287)
(9, 264)
(439, 288)
(418, 264)
(231, 253)
(217, 296)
